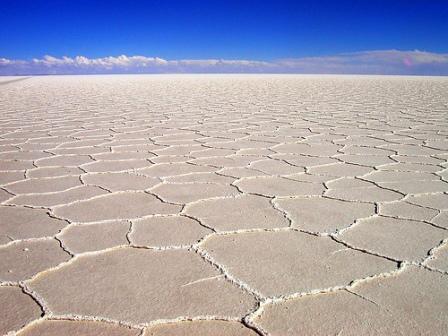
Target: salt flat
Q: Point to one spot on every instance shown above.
(224, 205)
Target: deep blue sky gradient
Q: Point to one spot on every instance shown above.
(256, 30)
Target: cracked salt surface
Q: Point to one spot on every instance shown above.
(223, 205)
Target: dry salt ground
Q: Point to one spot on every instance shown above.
(223, 205)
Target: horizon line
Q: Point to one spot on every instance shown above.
(374, 62)
(221, 74)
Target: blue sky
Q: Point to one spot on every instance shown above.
(267, 31)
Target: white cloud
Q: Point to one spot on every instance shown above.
(365, 62)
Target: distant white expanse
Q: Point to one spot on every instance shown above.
(387, 62)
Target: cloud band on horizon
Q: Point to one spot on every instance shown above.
(388, 62)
